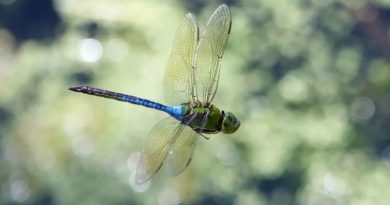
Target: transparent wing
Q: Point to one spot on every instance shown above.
(155, 149)
(180, 152)
(179, 78)
(209, 53)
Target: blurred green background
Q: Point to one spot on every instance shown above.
(309, 80)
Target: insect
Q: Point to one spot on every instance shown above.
(190, 84)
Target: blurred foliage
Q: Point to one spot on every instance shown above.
(309, 80)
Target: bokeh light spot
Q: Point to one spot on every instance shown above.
(90, 50)
(138, 187)
(333, 184)
(169, 196)
(82, 146)
(293, 88)
(19, 191)
(362, 108)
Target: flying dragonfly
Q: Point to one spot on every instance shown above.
(190, 84)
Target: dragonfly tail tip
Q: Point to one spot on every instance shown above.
(76, 89)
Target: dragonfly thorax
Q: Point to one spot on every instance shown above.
(208, 119)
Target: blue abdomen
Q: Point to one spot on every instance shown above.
(174, 111)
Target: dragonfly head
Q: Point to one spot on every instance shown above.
(229, 123)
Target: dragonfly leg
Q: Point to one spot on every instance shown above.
(207, 138)
(192, 117)
(204, 121)
(190, 120)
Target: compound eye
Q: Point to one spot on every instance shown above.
(230, 123)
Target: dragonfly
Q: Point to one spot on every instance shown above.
(190, 84)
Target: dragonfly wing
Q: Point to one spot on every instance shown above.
(180, 152)
(210, 49)
(179, 78)
(155, 149)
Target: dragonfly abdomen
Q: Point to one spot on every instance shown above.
(174, 111)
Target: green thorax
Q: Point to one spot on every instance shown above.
(203, 119)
